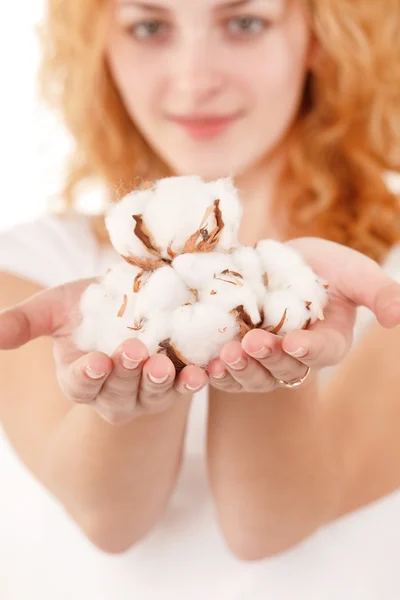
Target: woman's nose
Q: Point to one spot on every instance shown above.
(196, 73)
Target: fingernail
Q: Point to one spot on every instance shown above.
(261, 353)
(92, 374)
(130, 363)
(192, 389)
(157, 379)
(219, 376)
(238, 364)
(299, 353)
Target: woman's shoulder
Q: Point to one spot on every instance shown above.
(53, 249)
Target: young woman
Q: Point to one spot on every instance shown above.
(298, 101)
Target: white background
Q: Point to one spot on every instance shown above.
(32, 145)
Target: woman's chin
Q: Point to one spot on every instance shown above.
(208, 172)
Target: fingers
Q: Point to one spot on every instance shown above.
(41, 314)
(267, 349)
(387, 305)
(117, 398)
(247, 373)
(160, 386)
(190, 380)
(327, 342)
(82, 380)
(158, 376)
(358, 278)
(221, 379)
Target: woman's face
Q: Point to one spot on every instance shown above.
(213, 85)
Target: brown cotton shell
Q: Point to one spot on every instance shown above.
(243, 320)
(277, 329)
(137, 326)
(231, 277)
(208, 240)
(146, 264)
(145, 235)
(178, 360)
(195, 293)
(122, 310)
(140, 279)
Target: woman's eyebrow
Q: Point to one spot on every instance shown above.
(231, 4)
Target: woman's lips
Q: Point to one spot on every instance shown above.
(203, 127)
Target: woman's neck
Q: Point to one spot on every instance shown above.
(257, 190)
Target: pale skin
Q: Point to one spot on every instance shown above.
(297, 465)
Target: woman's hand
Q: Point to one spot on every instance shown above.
(120, 387)
(262, 359)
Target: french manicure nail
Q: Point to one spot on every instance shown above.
(157, 379)
(92, 374)
(299, 353)
(192, 389)
(238, 364)
(261, 353)
(130, 363)
(219, 376)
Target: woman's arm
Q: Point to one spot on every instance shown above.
(362, 409)
(274, 467)
(113, 480)
(284, 463)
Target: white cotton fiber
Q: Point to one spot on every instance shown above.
(120, 224)
(164, 290)
(185, 286)
(227, 291)
(200, 331)
(284, 312)
(156, 328)
(122, 276)
(231, 208)
(199, 268)
(248, 263)
(182, 206)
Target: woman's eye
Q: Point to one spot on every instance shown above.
(149, 30)
(246, 26)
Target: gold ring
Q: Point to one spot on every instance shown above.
(295, 382)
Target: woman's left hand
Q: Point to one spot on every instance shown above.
(263, 361)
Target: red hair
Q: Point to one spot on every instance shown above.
(345, 139)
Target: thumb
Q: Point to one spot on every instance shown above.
(43, 314)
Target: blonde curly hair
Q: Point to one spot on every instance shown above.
(344, 141)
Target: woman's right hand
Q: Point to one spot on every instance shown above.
(121, 387)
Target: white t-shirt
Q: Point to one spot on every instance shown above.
(44, 556)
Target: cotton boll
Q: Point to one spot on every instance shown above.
(121, 225)
(156, 327)
(286, 270)
(93, 309)
(200, 331)
(284, 312)
(311, 290)
(197, 268)
(164, 290)
(100, 324)
(248, 264)
(122, 277)
(177, 211)
(278, 262)
(231, 208)
(229, 290)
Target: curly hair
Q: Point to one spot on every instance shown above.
(345, 140)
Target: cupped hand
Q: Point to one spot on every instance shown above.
(119, 387)
(261, 361)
